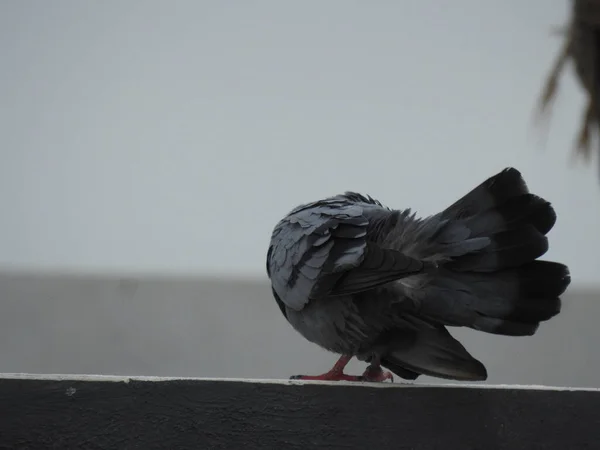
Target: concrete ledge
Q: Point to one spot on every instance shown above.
(105, 412)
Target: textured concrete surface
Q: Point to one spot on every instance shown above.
(192, 414)
(228, 328)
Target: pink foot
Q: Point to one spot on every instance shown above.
(373, 373)
(329, 376)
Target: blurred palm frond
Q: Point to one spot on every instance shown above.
(581, 46)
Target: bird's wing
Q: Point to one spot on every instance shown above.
(429, 349)
(326, 249)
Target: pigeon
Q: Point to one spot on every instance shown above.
(382, 285)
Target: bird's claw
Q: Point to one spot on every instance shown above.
(376, 376)
(330, 376)
(370, 375)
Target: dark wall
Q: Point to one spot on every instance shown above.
(179, 415)
(233, 328)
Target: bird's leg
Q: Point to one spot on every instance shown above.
(335, 374)
(375, 373)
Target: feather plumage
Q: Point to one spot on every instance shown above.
(361, 279)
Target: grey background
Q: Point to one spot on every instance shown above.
(167, 138)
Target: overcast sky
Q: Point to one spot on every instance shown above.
(159, 136)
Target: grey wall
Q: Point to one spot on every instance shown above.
(232, 328)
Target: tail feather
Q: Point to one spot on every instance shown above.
(490, 194)
(537, 299)
(501, 287)
(514, 213)
(506, 249)
(491, 280)
(542, 279)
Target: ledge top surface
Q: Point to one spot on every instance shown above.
(127, 379)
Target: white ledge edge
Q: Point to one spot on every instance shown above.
(127, 379)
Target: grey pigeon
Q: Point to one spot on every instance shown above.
(379, 284)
